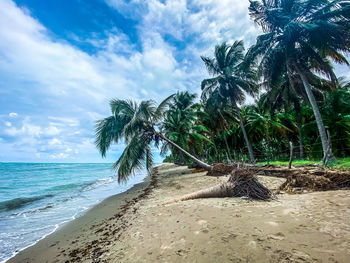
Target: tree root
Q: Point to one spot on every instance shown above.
(221, 169)
(307, 178)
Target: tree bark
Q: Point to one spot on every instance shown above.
(182, 160)
(300, 135)
(318, 117)
(199, 162)
(225, 139)
(214, 145)
(290, 155)
(249, 146)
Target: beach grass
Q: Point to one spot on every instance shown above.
(341, 163)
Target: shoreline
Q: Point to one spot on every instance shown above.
(309, 227)
(85, 218)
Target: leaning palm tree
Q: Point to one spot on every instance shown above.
(136, 124)
(232, 79)
(299, 37)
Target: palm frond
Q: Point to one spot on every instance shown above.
(133, 158)
(107, 131)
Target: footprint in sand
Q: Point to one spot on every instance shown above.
(289, 211)
(272, 223)
(201, 222)
(252, 244)
(278, 236)
(300, 255)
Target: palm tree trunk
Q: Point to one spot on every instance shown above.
(181, 157)
(225, 139)
(300, 135)
(318, 117)
(242, 182)
(215, 148)
(199, 162)
(226, 144)
(249, 146)
(221, 190)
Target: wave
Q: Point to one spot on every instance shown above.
(84, 186)
(64, 187)
(19, 202)
(40, 209)
(99, 182)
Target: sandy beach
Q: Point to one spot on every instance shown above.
(136, 227)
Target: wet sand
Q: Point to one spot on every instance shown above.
(311, 227)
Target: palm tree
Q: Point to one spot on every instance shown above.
(232, 78)
(215, 109)
(288, 97)
(299, 37)
(269, 128)
(136, 124)
(336, 112)
(179, 126)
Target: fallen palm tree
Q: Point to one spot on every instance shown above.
(221, 169)
(307, 178)
(316, 181)
(242, 182)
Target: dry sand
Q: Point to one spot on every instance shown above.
(312, 227)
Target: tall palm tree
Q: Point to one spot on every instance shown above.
(232, 78)
(299, 37)
(136, 124)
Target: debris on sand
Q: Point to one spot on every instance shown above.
(307, 178)
(221, 169)
(242, 182)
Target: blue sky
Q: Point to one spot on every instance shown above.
(62, 61)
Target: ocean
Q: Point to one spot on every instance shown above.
(36, 199)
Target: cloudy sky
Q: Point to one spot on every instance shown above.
(62, 61)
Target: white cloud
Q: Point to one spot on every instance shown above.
(63, 121)
(51, 131)
(59, 156)
(55, 141)
(27, 129)
(68, 89)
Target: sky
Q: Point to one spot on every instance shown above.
(61, 62)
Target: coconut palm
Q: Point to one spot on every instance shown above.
(286, 97)
(232, 78)
(214, 107)
(269, 128)
(299, 37)
(179, 126)
(136, 124)
(336, 112)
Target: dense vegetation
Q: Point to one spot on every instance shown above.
(288, 72)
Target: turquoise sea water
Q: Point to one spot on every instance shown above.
(36, 199)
